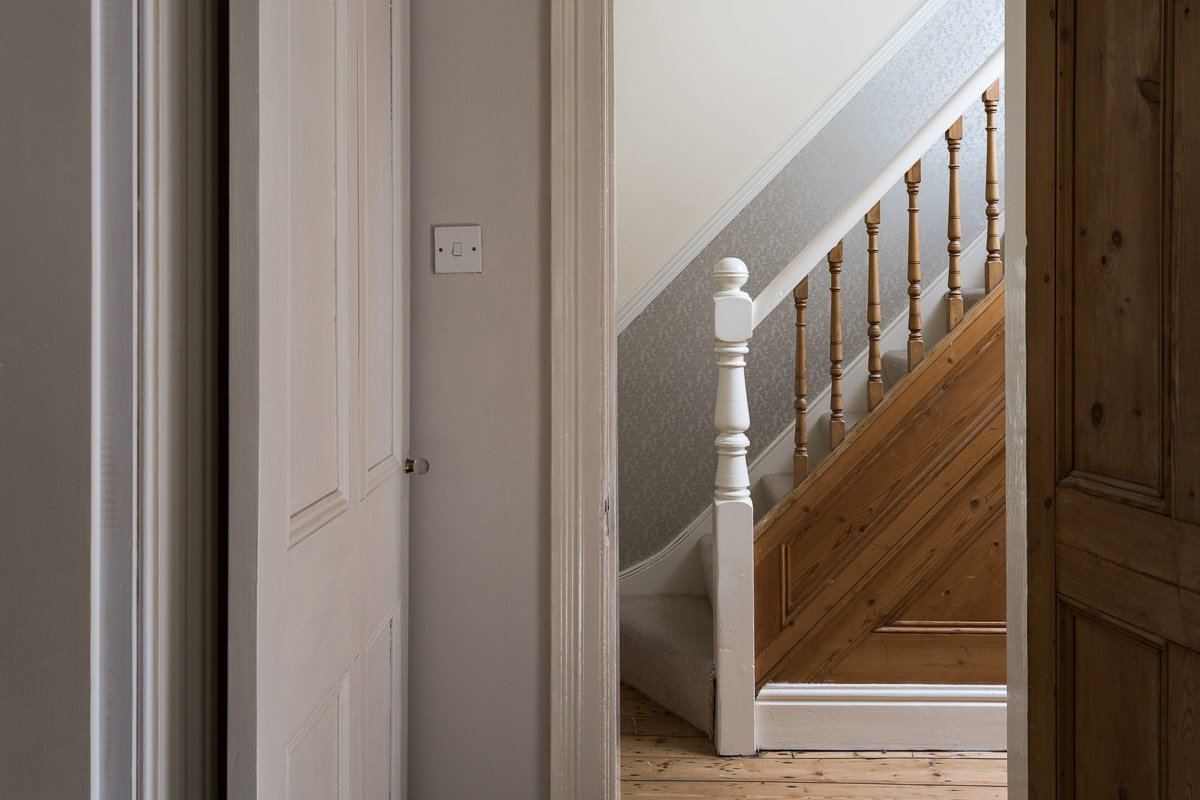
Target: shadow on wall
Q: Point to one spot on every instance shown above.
(666, 381)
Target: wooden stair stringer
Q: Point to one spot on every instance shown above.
(874, 506)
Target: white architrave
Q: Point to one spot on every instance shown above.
(177, 401)
(584, 695)
(733, 516)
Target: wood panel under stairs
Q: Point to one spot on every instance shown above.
(886, 564)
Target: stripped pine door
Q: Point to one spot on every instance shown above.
(1114, 398)
(318, 405)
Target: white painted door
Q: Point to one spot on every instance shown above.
(318, 384)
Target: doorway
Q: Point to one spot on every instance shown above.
(600, 104)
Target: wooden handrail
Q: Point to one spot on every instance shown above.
(929, 134)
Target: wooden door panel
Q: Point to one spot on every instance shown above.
(1182, 736)
(1111, 674)
(1114, 398)
(1184, 285)
(1117, 254)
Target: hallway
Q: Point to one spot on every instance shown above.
(664, 757)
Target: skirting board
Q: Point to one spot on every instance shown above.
(881, 717)
(675, 569)
(765, 172)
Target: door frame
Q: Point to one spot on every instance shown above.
(584, 665)
(584, 721)
(179, 308)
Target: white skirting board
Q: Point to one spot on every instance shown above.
(881, 717)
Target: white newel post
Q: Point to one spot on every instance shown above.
(733, 517)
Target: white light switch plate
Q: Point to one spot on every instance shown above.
(457, 248)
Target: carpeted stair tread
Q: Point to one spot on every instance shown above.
(895, 367)
(667, 653)
(972, 298)
(852, 419)
(774, 488)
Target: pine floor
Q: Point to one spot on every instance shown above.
(666, 758)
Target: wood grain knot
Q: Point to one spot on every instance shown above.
(1150, 89)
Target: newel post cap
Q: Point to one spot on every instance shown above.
(731, 274)
(733, 310)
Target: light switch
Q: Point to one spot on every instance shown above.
(457, 248)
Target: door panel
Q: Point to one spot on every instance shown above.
(1125, 669)
(1114, 449)
(1117, 202)
(317, 197)
(326, 590)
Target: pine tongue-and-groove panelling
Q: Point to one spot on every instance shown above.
(887, 564)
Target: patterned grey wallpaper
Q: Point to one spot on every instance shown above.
(666, 379)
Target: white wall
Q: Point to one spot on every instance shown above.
(480, 619)
(706, 90)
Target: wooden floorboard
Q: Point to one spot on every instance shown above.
(664, 757)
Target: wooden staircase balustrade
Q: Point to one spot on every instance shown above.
(800, 458)
(874, 313)
(994, 269)
(837, 411)
(954, 229)
(916, 344)
(886, 564)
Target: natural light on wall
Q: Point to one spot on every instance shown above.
(706, 91)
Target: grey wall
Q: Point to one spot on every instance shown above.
(45, 296)
(479, 713)
(666, 367)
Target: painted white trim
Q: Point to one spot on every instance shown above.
(675, 569)
(881, 717)
(584, 695)
(1016, 425)
(177, 364)
(929, 134)
(766, 171)
(115, 602)
(733, 517)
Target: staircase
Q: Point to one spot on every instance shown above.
(884, 562)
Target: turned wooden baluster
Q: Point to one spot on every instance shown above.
(874, 313)
(837, 415)
(954, 229)
(800, 458)
(994, 269)
(916, 344)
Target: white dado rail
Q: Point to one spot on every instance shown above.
(736, 316)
